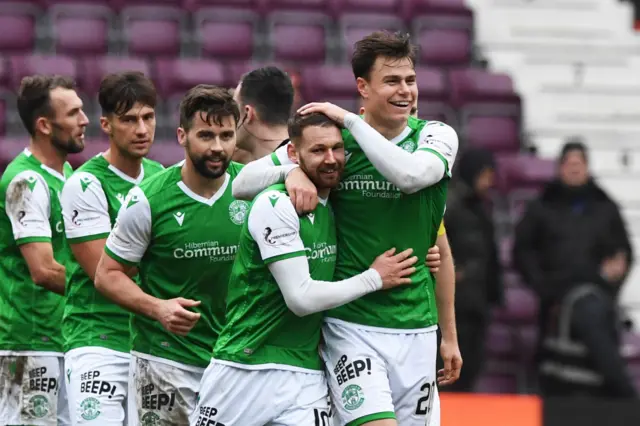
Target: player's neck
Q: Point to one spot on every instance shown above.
(324, 193)
(201, 185)
(266, 140)
(47, 154)
(389, 132)
(126, 164)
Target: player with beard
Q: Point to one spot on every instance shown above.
(180, 228)
(281, 282)
(34, 254)
(96, 331)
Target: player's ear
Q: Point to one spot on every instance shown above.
(363, 87)
(105, 125)
(43, 125)
(182, 136)
(292, 152)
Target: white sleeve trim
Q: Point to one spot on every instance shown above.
(441, 138)
(131, 234)
(84, 207)
(275, 226)
(304, 295)
(258, 175)
(410, 172)
(28, 206)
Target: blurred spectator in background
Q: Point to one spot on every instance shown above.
(478, 276)
(572, 248)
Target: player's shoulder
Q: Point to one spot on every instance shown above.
(437, 128)
(22, 174)
(151, 167)
(156, 186)
(81, 180)
(275, 197)
(95, 165)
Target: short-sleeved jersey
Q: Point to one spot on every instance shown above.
(261, 330)
(30, 316)
(373, 215)
(90, 200)
(184, 246)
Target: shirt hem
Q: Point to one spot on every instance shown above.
(386, 330)
(82, 349)
(31, 353)
(267, 366)
(188, 367)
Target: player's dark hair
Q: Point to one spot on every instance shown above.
(34, 97)
(574, 145)
(270, 91)
(119, 92)
(380, 43)
(212, 102)
(299, 122)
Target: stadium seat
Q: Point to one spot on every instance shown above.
(520, 306)
(92, 147)
(501, 342)
(10, 148)
(523, 171)
(256, 5)
(120, 4)
(444, 47)
(37, 64)
(326, 82)
(4, 110)
(475, 86)
(175, 76)
(391, 7)
(18, 22)
(498, 134)
(355, 26)
(226, 33)
(153, 30)
(167, 152)
(413, 8)
(432, 84)
(93, 69)
(5, 74)
(296, 36)
(314, 5)
(92, 21)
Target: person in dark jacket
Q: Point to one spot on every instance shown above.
(572, 249)
(478, 276)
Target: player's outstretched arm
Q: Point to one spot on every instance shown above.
(260, 174)
(410, 172)
(86, 219)
(28, 208)
(275, 226)
(125, 247)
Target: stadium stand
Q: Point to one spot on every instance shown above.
(507, 74)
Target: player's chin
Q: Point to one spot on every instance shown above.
(328, 180)
(75, 146)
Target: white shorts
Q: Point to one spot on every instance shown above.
(380, 374)
(233, 396)
(161, 392)
(97, 386)
(32, 390)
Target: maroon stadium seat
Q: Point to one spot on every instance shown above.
(391, 7)
(93, 69)
(478, 86)
(310, 5)
(328, 82)
(298, 36)
(444, 47)
(413, 8)
(226, 33)
(41, 64)
(355, 26)
(90, 20)
(176, 76)
(153, 30)
(498, 134)
(18, 24)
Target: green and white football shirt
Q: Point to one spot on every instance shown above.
(30, 316)
(90, 200)
(184, 246)
(372, 215)
(261, 330)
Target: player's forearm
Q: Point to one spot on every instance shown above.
(258, 175)
(118, 287)
(445, 291)
(305, 296)
(409, 172)
(52, 277)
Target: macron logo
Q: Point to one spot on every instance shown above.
(179, 217)
(311, 217)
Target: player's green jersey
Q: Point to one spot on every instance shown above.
(184, 246)
(373, 215)
(30, 316)
(90, 200)
(261, 329)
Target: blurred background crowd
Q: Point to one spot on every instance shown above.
(545, 97)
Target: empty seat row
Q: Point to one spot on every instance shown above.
(90, 29)
(406, 9)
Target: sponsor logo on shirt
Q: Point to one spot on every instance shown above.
(322, 251)
(215, 251)
(279, 236)
(369, 186)
(78, 220)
